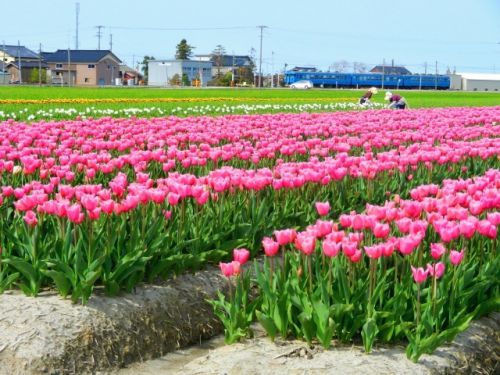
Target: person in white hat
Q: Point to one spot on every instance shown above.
(396, 101)
(365, 99)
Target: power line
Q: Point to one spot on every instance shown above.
(180, 28)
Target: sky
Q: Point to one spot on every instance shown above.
(459, 35)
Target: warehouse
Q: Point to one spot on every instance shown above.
(171, 72)
(475, 82)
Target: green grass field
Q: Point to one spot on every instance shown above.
(113, 98)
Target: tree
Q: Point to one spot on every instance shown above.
(144, 68)
(185, 80)
(340, 66)
(183, 51)
(218, 58)
(175, 80)
(359, 67)
(35, 76)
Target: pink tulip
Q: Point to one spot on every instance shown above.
(270, 246)
(356, 257)
(437, 250)
(323, 208)
(456, 257)
(285, 236)
(230, 269)
(241, 255)
(330, 248)
(381, 230)
(305, 243)
(374, 251)
(30, 218)
(419, 274)
(436, 270)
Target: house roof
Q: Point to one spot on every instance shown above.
(480, 76)
(304, 69)
(229, 60)
(16, 51)
(78, 55)
(390, 69)
(28, 64)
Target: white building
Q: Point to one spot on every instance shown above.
(475, 82)
(161, 72)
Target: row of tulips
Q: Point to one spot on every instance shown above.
(419, 269)
(26, 114)
(58, 206)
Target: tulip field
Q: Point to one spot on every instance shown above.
(373, 225)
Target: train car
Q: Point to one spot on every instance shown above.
(421, 81)
(363, 80)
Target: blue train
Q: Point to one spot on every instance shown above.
(361, 80)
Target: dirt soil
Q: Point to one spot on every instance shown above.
(49, 335)
(52, 336)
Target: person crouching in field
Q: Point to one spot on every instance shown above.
(396, 101)
(365, 99)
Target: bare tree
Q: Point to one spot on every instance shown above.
(340, 66)
(359, 67)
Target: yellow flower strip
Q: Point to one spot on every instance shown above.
(166, 100)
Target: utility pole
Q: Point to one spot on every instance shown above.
(383, 73)
(3, 61)
(272, 68)
(98, 35)
(69, 68)
(425, 68)
(40, 64)
(436, 80)
(19, 59)
(261, 27)
(232, 73)
(110, 42)
(77, 10)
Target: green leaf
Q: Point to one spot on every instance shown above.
(369, 333)
(60, 279)
(267, 323)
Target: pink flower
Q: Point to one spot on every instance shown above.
(173, 198)
(437, 250)
(305, 243)
(270, 246)
(436, 270)
(356, 257)
(456, 257)
(230, 269)
(330, 248)
(285, 236)
(407, 244)
(419, 274)
(374, 251)
(30, 218)
(381, 230)
(323, 208)
(241, 255)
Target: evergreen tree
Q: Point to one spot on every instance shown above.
(183, 51)
(145, 69)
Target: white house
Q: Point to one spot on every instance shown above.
(475, 82)
(161, 72)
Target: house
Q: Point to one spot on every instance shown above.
(170, 72)
(9, 53)
(223, 64)
(82, 67)
(129, 76)
(13, 55)
(28, 70)
(390, 69)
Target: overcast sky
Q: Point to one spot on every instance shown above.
(463, 34)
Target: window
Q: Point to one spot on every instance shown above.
(91, 66)
(58, 66)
